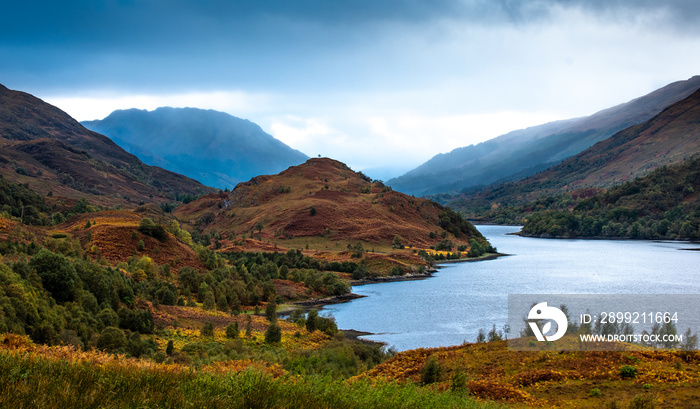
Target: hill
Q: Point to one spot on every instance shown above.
(661, 205)
(666, 139)
(525, 152)
(213, 147)
(325, 203)
(44, 147)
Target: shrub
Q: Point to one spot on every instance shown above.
(232, 330)
(271, 311)
(140, 246)
(595, 393)
(273, 334)
(57, 274)
(111, 340)
(150, 228)
(643, 401)
(628, 371)
(431, 371)
(207, 330)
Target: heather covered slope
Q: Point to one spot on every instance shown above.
(324, 198)
(44, 147)
(213, 147)
(525, 152)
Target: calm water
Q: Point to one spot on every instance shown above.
(457, 301)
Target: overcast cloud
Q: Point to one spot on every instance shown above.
(371, 83)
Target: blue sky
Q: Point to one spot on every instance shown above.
(376, 84)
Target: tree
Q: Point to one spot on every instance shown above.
(273, 334)
(150, 228)
(209, 301)
(249, 327)
(311, 320)
(259, 227)
(170, 348)
(312, 211)
(431, 371)
(111, 340)
(222, 304)
(207, 330)
(397, 244)
(232, 330)
(57, 274)
(271, 311)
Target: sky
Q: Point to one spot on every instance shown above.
(380, 85)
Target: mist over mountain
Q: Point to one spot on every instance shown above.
(213, 147)
(525, 152)
(669, 138)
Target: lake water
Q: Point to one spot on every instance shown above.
(450, 307)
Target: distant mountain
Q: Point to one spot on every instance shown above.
(667, 139)
(44, 147)
(213, 147)
(527, 151)
(324, 199)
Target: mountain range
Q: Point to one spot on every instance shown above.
(525, 152)
(44, 148)
(669, 138)
(212, 147)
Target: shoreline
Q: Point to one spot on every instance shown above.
(660, 239)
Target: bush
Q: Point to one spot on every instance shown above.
(232, 330)
(643, 401)
(150, 228)
(271, 311)
(57, 274)
(112, 340)
(431, 371)
(595, 393)
(273, 334)
(628, 371)
(207, 330)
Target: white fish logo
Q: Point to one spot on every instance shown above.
(543, 312)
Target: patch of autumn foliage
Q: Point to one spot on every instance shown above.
(22, 345)
(549, 379)
(114, 235)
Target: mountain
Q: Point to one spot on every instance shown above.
(667, 139)
(213, 147)
(44, 147)
(527, 151)
(325, 200)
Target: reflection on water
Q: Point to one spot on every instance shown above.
(457, 301)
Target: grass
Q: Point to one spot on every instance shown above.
(29, 380)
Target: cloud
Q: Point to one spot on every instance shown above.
(368, 82)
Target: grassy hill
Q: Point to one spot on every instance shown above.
(325, 205)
